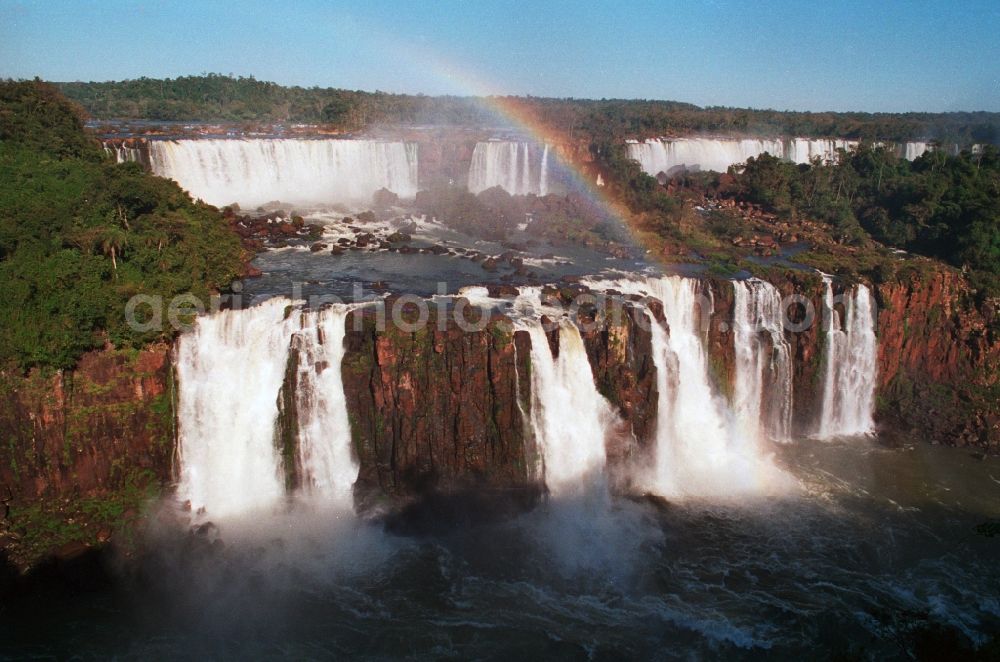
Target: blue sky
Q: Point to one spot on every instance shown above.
(875, 55)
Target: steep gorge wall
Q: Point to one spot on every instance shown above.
(89, 430)
(939, 362)
(448, 409)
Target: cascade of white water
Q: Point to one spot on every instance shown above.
(670, 155)
(804, 150)
(698, 451)
(526, 170)
(701, 450)
(569, 418)
(850, 364)
(913, 150)
(718, 154)
(517, 167)
(326, 464)
(230, 368)
(667, 156)
(255, 171)
(762, 390)
(122, 152)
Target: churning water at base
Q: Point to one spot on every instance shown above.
(850, 363)
(762, 388)
(231, 369)
(257, 171)
(519, 168)
(878, 559)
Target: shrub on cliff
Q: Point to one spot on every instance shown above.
(80, 235)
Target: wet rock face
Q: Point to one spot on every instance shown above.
(88, 430)
(432, 408)
(619, 348)
(443, 409)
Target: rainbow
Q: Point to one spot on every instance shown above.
(522, 115)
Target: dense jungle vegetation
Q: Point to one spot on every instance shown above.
(79, 235)
(214, 97)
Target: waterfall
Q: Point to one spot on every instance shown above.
(699, 452)
(849, 364)
(122, 152)
(231, 368)
(913, 150)
(326, 465)
(804, 150)
(569, 418)
(700, 448)
(517, 167)
(762, 389)
(257, 171)
(672, 155)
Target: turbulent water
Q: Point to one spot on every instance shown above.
(252, 172)
(519, 168)
(671, 155)
(849, 365)
(872, 560)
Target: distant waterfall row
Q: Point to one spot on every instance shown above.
(519, 168)
(233, 366)
(671, 156)
(254, 172)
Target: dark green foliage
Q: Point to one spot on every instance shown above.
(37, 116)
(942, 206)
(223, 98)
(638, 191)
(79, 235)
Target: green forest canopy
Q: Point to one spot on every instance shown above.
(79, 235)
(214, 97)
